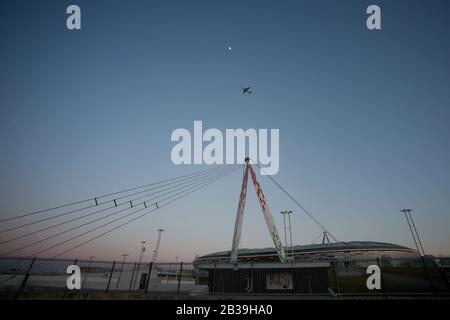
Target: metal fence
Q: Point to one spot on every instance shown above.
(334, 278)
(44, 275)
(398, 277)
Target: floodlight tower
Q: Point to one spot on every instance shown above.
(288, 227)
(141, 254)
(155, 253)
(413, 229)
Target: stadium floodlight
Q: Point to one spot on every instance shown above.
(286, 227)
(414, 232)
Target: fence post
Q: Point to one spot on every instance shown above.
(383, 288)
(253, 283)
(85, 277)
(24, 282)
(179, 278)
(428, 275)
(110, 276)
(132, 276)
(148, 278)
(214, 278)
(337, 278)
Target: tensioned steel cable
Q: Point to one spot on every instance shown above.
(111, 214)
(131, 203)
(297, 203)
(103, 217)
(132, 213)
(92, 206)
(129, 221)
(138, 217)
(101, 196)
(112, 200)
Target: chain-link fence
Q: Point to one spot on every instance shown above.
(407, 277)
(44, 275)
(398, 276)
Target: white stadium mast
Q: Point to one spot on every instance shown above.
(266, 211)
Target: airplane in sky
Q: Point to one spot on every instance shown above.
(246, 90)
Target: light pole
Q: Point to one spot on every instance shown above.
(155, 253)
(141, 254)
(288, 213)
(284, 227)
(413, 229)
(125, 255)
(89, 265)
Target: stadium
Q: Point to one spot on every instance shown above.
(329, 251)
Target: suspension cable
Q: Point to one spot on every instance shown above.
(100, 218)
(101, 196)
(133, 219)
(297, 203)
(92, 206)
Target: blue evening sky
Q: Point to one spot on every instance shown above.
(363, 115)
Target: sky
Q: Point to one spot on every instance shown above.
(363, 115)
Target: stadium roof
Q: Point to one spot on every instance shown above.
(330, 246)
